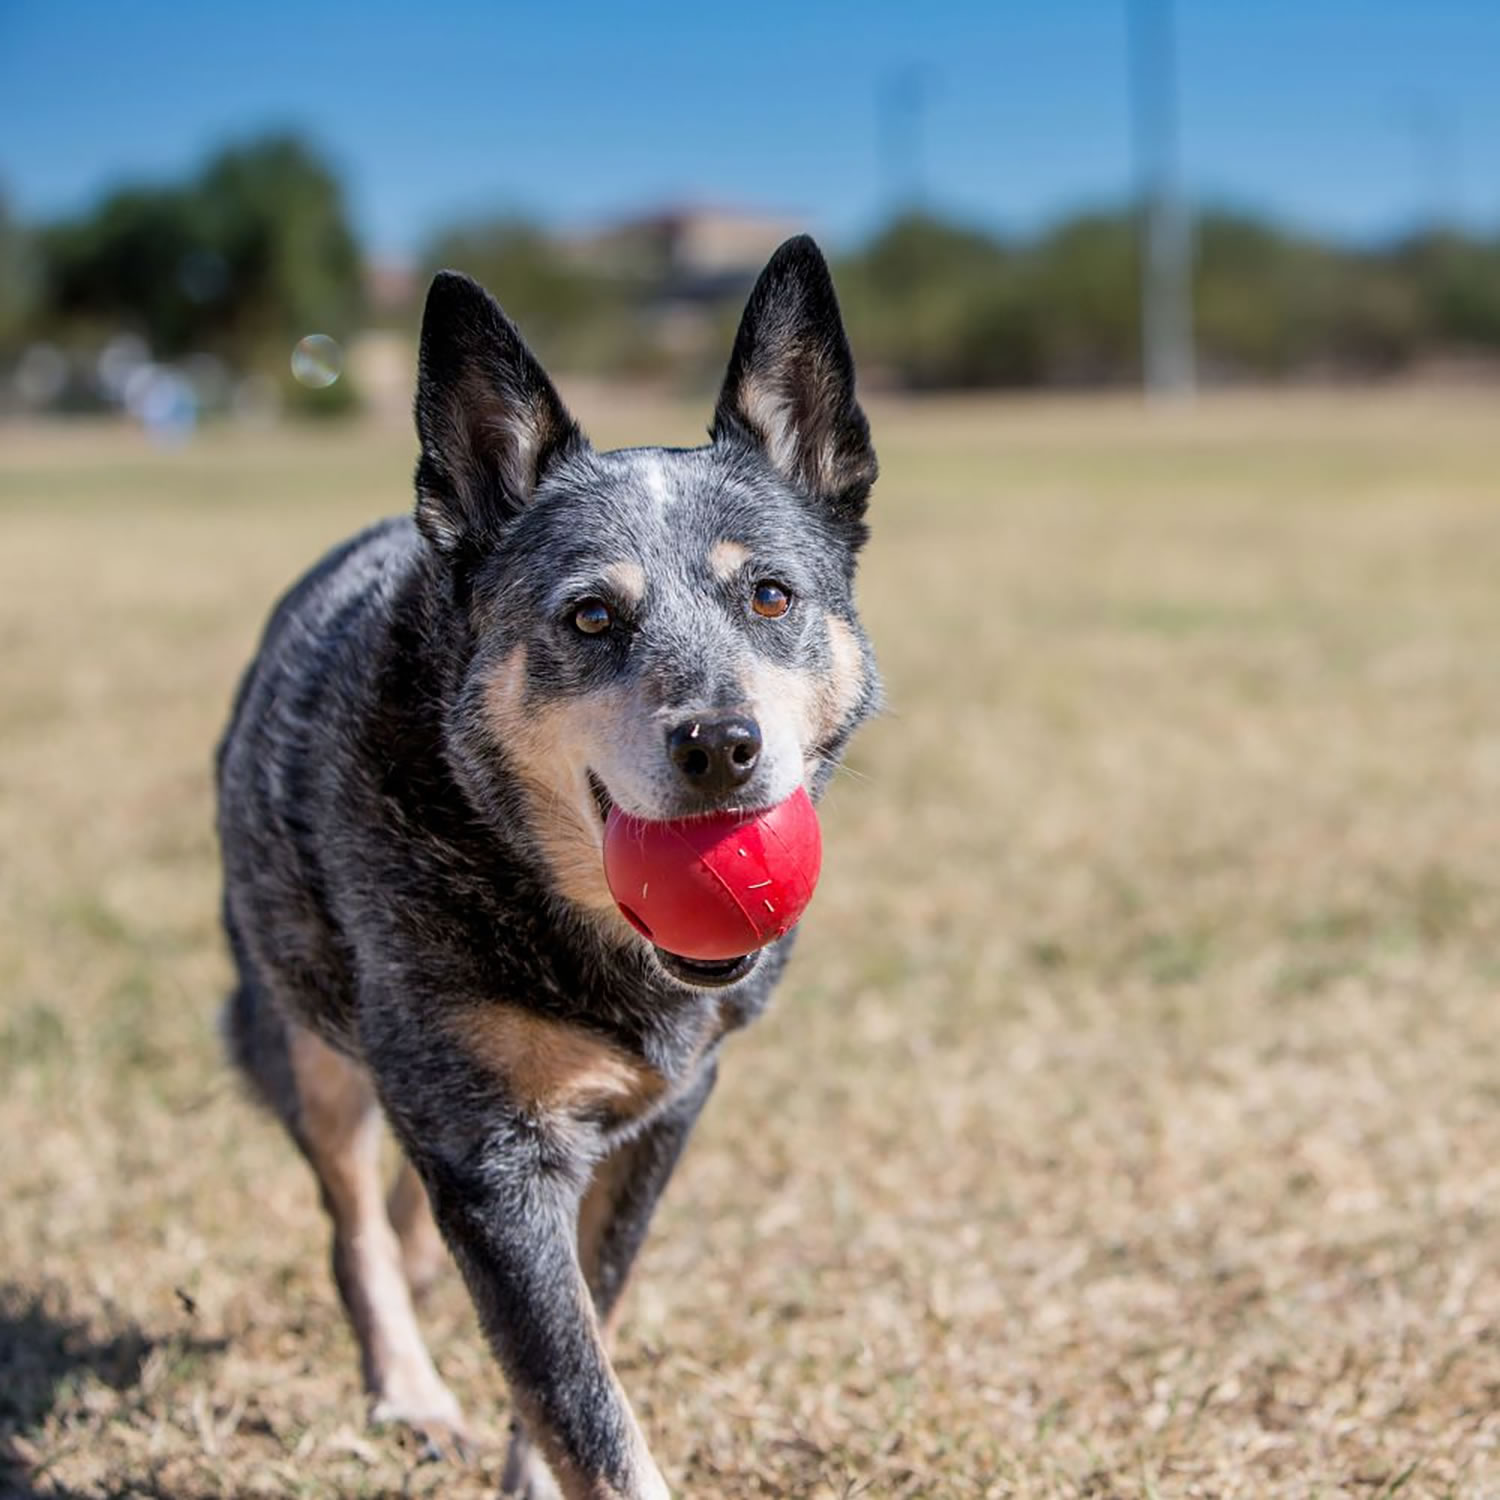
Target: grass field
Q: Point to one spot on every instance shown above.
(1129, 1126)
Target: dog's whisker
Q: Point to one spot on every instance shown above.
(841, 768)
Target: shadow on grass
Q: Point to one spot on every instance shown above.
(46, 1357)
(18, 1487)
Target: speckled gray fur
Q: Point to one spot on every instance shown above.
(387, 874)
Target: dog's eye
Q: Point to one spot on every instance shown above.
(593, 617)
(770, 599)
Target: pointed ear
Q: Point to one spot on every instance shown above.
(790, 385)
(489, 419)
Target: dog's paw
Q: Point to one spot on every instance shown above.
(436, 1423)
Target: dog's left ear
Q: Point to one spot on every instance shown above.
(490, 421)
(790, 386)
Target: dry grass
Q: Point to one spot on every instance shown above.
(1131, 1123)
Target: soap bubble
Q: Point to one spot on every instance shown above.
(41, 374)
(162, 401)
(137, 388)
(208, 377)
(317, 361)
(120, 358)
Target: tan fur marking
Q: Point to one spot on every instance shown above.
(726, 558)
(423, 1254)
(809, 456)
(847, 680)
(793, 692)
(543, 742)
(595, 1210)
(770, 413)
(645, 1482)
(338, 1124)
(628, 579)
(817, 704)
(514, 434)
(556, 1068)
(526, 1472)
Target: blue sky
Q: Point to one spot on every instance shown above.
(1352, 116)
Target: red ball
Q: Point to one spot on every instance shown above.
(716, 887)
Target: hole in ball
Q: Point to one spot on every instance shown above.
(635, 921)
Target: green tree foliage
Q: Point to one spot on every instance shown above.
(17, 278)
(1082, 281)
(242, 260)
(256, 250)
(575, 315)
(1268, 303)
(934, 305)
(1459, 287)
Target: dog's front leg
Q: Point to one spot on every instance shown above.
(505, 1183)
(613, 1218)
(612, 1221)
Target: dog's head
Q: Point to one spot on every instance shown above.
(671, 630)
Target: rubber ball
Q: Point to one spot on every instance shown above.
(715, 887)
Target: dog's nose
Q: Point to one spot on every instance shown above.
(716, 754)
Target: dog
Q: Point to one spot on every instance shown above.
(413, 790)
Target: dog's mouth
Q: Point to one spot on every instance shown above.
(706, 974)
(604, 804)
(700, 973)
(600, 793)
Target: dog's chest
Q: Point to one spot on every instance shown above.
(559, 1069)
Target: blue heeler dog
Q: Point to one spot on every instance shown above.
(412, 795)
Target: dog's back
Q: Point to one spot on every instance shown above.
(295, 724)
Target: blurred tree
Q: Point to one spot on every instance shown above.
(17, 278)
(1271, 303)
(572, 313)
(120, 266)
(931, 304)
(256, 251)
(241, 261)
(278, 252)
(1083, 282)
(1458, 283)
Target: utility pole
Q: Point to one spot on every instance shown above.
(1435, 162)
(1166, 234)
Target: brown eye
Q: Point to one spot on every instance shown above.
(770, 599)
(593, 617)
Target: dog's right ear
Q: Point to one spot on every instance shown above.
(790, 386)
(489, 419)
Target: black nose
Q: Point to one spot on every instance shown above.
(716, 754)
